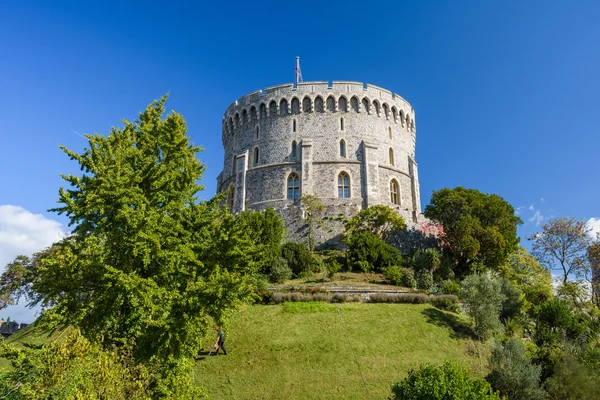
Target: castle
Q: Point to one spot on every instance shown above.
(350, 144)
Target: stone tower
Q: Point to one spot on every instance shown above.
(350, 144)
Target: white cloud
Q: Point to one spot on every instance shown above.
(594, 225)
(531, 207)
(537, 217)
(22, 232)
(518, 210)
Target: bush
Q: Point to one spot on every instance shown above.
(424, 280)
(555, 322)
(446, 382)
(340, 298)
(332, 267)
(408, 278)
(299, 258)
(513, 374)
(483, 297)
(414, 298)
(573, 380)
(368, 251)
(280, 271)
(447, 302)
(513, 302)
(393, 274)
(450, 287)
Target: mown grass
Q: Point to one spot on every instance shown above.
(368, 279)
(324, 351)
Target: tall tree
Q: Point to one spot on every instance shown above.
(562, 245)
(479, 228)
(147, 265)
(526, 273)
(313, 210)
(380, 220)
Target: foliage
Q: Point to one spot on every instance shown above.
(447, 302)
(368, 251)
(556, 322)
(446, 382)
(393, 274)
(313, 210)
(562, 245)
(513, 374)
(513, 300)
(332, 267)
(524, 271)
(427, 260)
(573, 380)
(280, 271)
(575, 292)
(450, 286)
(413, 298)
(267, 229)
(379, 220)
(299, 258)
(483, 298)
(479, 229)
(424, 280)
(513, 327)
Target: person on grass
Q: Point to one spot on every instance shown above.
(220, 343)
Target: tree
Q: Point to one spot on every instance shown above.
(562, 245)
(483, 297)
(313, 208)
(267, 228)
(379, 220)
(368, 251)
(446, 382)
(513, 374)
(147, 266)
(480, 229)
(526, 273)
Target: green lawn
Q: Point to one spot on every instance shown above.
(310, 351)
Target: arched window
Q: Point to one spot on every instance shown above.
(295, 106)
(283, 107)
(293, 187)
(294, 127)
(341, 124)
(330, 104)
(365, 105)
(294, 150)
(391, 156)
(390, 132)
(244, 117)
(255, 156)
(376, 106)
(263, 111)
(306, 105)
(343, 186)
(272, 109)
(395, 191)
(319, 104)
(342, 148)
(402, 117)
(256, 133)
(235, 142)
(343, 104)
(386, 112)
(354, 104)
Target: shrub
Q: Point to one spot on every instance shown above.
(513, 374)
(556, 321)
(573, 380)
(393, 274)
(332, 267)
(280, 271)
(450, 286)
(512, 327)
(483, 297)
(424, 280)
(408, 278)
(299, 258)
(339, 298)
(514, 299)
(368, 251)
(447, 302)
(414, 298)
(321, 297)
(446, 382)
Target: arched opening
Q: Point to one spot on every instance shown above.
(365, 105)
(391, 156)
(343, 186)
(330, 104)
(293, 187)
(341, 124)
(294, 150)
(306, 105)
(376, 106)
(295, 106)
(256, 156)
(272, 109)
(395, 192)
(342, 148)
(244, 117)
(319, 104)
(343, 104)
(354, 104)
(386, 111)
(294, 126)
(283, 107)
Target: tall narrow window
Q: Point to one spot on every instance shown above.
(343, 186)
(235, 142)
(341, 124)
(391, 156)
(293, 187)
(395, 191)
(294, 126)
(256, 133)
(342, 148)
(294, 150)
(255, 156)
(390, 132)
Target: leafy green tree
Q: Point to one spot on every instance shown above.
(479, 229)
(446, 382)
(147, 266)
(573, 380)
(562, 245)
(513, 374)
(483, 297)
(556, 322)
(267, 228)
(313, 212)
(368, 251)
(526, 273)
(298, 258)
(513, 300)
(379, 220)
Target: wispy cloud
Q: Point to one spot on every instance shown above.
(537, 217)
(594, 225)
(519, 210)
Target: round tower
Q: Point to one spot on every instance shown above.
(352, 145)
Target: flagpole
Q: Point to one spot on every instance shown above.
(297, 69)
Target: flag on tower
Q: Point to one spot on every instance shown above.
(298, 72)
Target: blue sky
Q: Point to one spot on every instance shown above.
(505, 93)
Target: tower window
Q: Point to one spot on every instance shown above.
(293, 187)
(341, 124)
(395, 192)
(256, 156)
(294, 150)
(391, 156)
(390, 132)
(294, 128)
(342, 148)
(343, 186)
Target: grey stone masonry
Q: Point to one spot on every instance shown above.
(350, 144)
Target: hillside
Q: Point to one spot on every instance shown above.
(312, 351)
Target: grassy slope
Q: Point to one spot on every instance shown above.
(32, 336)
(306, 351)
